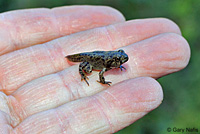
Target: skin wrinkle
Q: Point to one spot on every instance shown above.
(134, 67)
(35, 20)
(74, 97)
(43, 101)
(32, 62)
(33, 55)
(4, 36)
(62, 127)
(168, 64)
(106, 33)
(16, 116)
(68, 25)
(77, 87)
(33, 105)
(75, 93)
(89, 112)
(75, 46)
(101, 110)
(59, 46)
(11, 37)
(56, 23)
(17, 38)
(4, 103)
(43, 123)
(109, 93)
(9, 69)
(124, 74)
(55, 52)
(77, 84)
(148, 104)
(139, 98)
(95, 17)
(58, 52)
(50, 55)
(5, 118)
(6, 129)
(108, 36)
(70, 117)
(101, 32)
(78, 95)
(31, 94)
(116, 101)
(64, 30)
(115, 37)
(36, 63)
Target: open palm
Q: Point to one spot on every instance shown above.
(42, 92)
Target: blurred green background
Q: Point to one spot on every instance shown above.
(181, 105)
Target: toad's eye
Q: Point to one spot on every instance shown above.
(121, 51)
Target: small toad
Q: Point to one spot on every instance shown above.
(99, 60)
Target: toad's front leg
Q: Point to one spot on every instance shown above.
(85, 66)
(101, 77)
(122, 67)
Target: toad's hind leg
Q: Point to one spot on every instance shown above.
(101, 77)
(85, 66)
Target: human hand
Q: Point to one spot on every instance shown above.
(41, 92)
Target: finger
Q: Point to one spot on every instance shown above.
(5, 127)
(57, 89)
(23, 28)
(158, 56)
(111, 110)
(22, 66)
(106, 112)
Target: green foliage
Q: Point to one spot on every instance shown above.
(180, 107)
